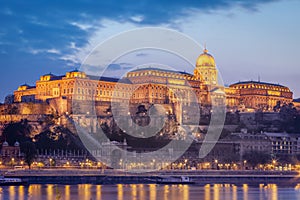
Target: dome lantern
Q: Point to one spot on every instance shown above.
(17, 144)
(5, 144)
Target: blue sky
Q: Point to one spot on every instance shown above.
(248, 38)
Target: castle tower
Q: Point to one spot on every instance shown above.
(206, 69)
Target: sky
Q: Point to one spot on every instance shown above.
(248, 38)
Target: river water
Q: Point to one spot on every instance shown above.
(148, 191)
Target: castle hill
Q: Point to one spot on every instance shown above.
(261, 129)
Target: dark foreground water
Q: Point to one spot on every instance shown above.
(148, 191)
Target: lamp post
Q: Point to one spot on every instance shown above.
(50, 162)
(216, 163)
(12, 161)
(245, 162)
(274, 162)
(185, 163)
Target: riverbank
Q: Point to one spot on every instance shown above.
(200, 177)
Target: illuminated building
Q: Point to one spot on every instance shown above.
(158, 86)
(10, 151)
(260, 95)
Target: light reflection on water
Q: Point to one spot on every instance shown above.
(148, 191)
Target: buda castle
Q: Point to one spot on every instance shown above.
(152, 85)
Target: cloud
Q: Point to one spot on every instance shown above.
(39, 51)
(74, 46)
(2, 51)
(53, 51)
(141, 54)
(137, 18)
(70, 58)
(34, 20)
(82, 26)
(35, 51)
(114, 67)
(126, 65)
(7, 11)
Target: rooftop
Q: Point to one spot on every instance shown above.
(160, 69)
(256, 82)
(109, 79)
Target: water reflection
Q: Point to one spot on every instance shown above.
(245, 191)
(234, 192)
(148, 191)
(207, 192)
(152, 191)
(142, 191)
(166, 192)
(185, 192)
(49, 191)
(21, 192)
(98, 192)
(216, 192)
(272, 190)
(67, 192)
(84, 191)
(120, 192)
(12, 192)
(133, 192)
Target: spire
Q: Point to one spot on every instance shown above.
(205, 50)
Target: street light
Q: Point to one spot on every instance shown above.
(244, 164)
(50, 162)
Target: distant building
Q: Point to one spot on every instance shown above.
(260, 95)
(296, 103)
(270, 143)
(284, 143)
(254, 142)
(10, 151)
(26, 93)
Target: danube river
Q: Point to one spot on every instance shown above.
(148, 191)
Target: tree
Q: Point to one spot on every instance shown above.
(19, 131)
(225, 133)
(58, 138)
(9, 99)
(29, 150)
(277, 107)
(254, 158)
(232, 118)
(289, 118)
